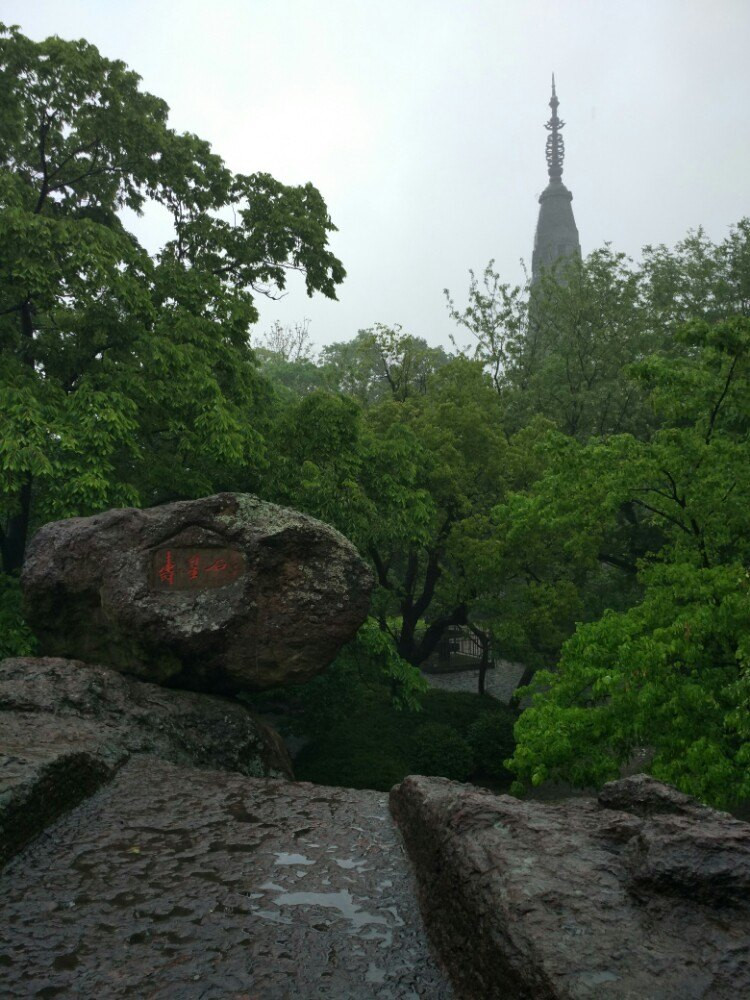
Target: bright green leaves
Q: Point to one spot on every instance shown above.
(80, 132)
(93, 428)
(66, 443)
(662, 676)
(24, 436)
(127, 378)
(670, 673)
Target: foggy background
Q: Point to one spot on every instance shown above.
(421, 123)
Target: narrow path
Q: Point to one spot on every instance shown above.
(183, 884)
(500, 681)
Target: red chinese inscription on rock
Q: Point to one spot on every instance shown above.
(195, 568)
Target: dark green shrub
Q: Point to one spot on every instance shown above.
(369, 721)
(366, 679)
(441, 750)
(363, 766)
(456, 708)
(491, 739)
(372, 744)
(15, 636)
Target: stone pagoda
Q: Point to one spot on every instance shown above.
(556, 231)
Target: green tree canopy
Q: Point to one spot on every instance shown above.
(381, 363)
(671, 672)
(401, 478)
(125, 377)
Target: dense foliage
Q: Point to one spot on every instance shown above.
(125, 377)
(575, 484)
(366, 727)
(670, 673)
(572, 485)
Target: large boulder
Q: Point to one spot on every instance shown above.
(641, 893)
(66, 727)
(219, 594)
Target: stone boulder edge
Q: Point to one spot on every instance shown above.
(223, 594)
(43, 775)
(180, 726)
(66, 727)
(641, 893)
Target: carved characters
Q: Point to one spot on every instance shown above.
(195, 568)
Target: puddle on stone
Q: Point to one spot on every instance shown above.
(348, 863)
(341, 901)
(385, 937)
(291, 859)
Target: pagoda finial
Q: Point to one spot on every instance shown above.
(555, 149)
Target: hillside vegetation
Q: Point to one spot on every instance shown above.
(572, 483)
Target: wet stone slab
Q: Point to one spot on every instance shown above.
(172, 882)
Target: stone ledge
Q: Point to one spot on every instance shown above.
(65, 727)
(175, 882)
(40, 779)
(644, 894)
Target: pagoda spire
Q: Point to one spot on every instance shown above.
(555, 144)
(556, 232)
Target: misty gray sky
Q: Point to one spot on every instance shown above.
(421, 123)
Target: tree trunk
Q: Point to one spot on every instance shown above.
(484, 642)
(13, 539)
(483, 664)
(434, 633)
